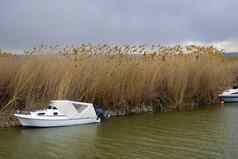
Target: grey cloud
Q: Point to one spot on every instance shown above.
(28, 23)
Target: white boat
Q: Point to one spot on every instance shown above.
(60, 113)
(230, 95)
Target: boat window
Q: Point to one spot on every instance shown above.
(49, 107)
(40, 114)
(55, 113)
(79, 107)
(235, 93)
(54, 108)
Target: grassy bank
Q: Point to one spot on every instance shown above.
(117, 77)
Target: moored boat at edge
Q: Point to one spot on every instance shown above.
(229, 95)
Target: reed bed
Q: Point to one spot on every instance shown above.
(116, 77)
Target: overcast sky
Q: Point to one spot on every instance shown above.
(29, 23)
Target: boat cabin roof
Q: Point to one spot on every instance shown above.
(74, 108)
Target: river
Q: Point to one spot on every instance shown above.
(209, 133)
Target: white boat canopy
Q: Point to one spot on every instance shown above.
(74, 109)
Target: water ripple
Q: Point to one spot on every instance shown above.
(191, 135)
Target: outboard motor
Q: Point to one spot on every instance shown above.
(235, 87)
(103, 115)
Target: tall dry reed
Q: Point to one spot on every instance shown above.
(118, 77)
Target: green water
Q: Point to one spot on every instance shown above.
(210, 133)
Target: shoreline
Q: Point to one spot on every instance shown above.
(8, 120)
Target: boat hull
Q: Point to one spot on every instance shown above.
(29, 122)
(229, 99)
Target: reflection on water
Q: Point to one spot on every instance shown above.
(231, 130)
(208, 133)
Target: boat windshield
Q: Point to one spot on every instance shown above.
(79, 107)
